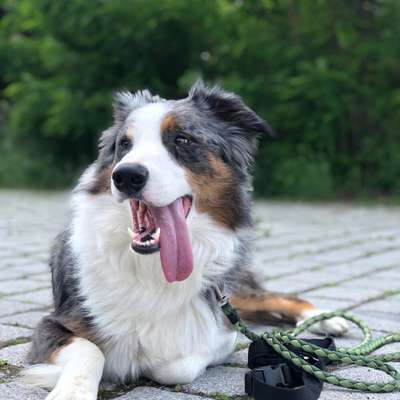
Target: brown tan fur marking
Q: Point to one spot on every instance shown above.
(103, 182)
(53, 356)
(129, 132)
(168, 124)
(265, 306)
(215, 192)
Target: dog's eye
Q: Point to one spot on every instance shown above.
(124, 143)
(181, 140)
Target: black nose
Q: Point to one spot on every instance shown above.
(130, 178)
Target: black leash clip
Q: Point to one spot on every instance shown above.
(280, 382)
(273, 377)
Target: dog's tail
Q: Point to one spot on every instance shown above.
(42, 375)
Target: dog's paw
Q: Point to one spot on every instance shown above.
(70, 395)
(335, 326)
(76, 389)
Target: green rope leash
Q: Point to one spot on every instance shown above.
(359, 355)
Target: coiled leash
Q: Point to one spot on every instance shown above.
(285, 367)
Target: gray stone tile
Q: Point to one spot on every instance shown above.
(45, 278)
(8, 333)
(327, 303)
(32, 269)
(382, 322)
(16, 355)
(43, 297)
(387, 305)
(238, 357)
(29, 319)
(350, 292)
(332, 393)
(311, 244)
(15, 391)
(9, 307)
(19, 286)
(293, 285)
(150, 393)
(358, 373)
(224, 380)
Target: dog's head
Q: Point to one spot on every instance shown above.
(175, 158)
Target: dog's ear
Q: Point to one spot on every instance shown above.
(231, 109)
(125, 102)
(107, 147)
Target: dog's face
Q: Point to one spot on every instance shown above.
(170, 158)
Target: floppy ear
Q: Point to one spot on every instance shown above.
(125, 102)
(230, 108)
(107, 147)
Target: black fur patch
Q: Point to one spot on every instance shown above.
(69, 317)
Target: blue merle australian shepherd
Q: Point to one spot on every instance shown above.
(159, 220)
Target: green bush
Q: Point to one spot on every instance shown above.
(324, 73)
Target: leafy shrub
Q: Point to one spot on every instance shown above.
(325, 75)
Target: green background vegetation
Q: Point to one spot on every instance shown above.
(324, 73)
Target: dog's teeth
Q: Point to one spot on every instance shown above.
(157, 234)
(131, 234)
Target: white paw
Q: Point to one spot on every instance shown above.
(181, 371)
(75, 390)
(335, 326)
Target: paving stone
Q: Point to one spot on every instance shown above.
(46, 278)
(349, 292)
(299, 247)
(8, 307)
(20, 285)
(29, 319)
(384, 306)
(34, 268)
(15, 391)
(326, 303)
(363, 374)
(383, 322)
(373, 282)
(16, 355)
(224, 380)
(8, 333)
(43, 297)
(238, 357)
(292, 285)
(331, 393)
(149, 393)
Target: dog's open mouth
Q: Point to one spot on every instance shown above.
(164, 229)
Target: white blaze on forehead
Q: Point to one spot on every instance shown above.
(167, 179)
(146, 122)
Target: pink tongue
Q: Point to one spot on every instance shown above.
(175, 249)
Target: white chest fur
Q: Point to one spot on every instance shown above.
(146, 323)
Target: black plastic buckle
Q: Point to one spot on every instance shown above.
(280, 382)
(274, 378)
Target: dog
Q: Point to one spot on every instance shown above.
(159, 221)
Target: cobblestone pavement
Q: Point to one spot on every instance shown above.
(337, 256)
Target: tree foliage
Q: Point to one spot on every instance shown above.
(325, 74)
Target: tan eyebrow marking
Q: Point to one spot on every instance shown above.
(168, 124)
(129, 132)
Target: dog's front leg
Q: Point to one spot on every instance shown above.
(81, 363)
